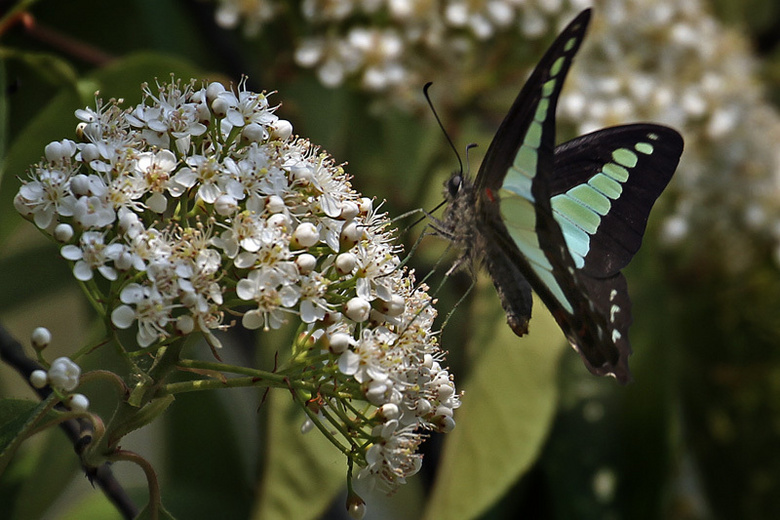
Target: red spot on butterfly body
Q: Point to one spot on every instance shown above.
(489, 195)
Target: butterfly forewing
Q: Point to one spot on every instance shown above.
(522, 147)
(526, 137)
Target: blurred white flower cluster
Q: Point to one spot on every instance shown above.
(198, 202)
(392, 45)
(669, 61)
(672, 62)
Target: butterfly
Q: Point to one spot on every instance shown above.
(563, 220)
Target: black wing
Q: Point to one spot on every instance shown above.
(617, 173)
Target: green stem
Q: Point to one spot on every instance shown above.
(321, 427)
(230, 369)
(235, 382)
(106, 375)
(86, 349)
(155, 499)
(89, 290)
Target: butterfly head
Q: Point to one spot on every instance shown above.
(454, 184)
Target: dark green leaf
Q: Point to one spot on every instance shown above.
(49, 66)
(18, 417)
(507, 411)
(303, 473)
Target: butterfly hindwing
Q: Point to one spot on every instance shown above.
(603, 188)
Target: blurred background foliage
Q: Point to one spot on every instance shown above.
(696, 436)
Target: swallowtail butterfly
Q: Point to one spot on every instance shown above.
(563, 220)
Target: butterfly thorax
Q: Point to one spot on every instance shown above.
(459, 224)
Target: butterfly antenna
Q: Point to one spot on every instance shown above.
(469, 147)
(438, 120)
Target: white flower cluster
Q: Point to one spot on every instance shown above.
(671, 61)
(401, 375)
(390, 45)
(198, 202)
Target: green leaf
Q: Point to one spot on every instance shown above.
(31, 274)
(49, 66)
(162, 514)
(52, 470)
(303, 473)
(18, 417)
(94, 506)
(133, 418)
(207, 464)
(508, 407)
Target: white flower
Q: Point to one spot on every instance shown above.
(46, 195)
(64, 374)
(272, 292)
(156, 169)
(391, 461)
(152, 312)
(92, 253)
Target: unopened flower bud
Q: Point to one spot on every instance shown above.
(306, 263)
(389, 411)
(351, 233)
(279, 220)
(220, 107)
(40, 338)
(79, 185)
(63, 233)
(77, 403)
(303, 174)
(366, 205)
(38, 378)
(214, 90)
(253, 133)
(345, 263)
(305, 235)
(225, 205)
(281, 129)
(356, 507)
(394, 307)
(90, 152)
(57, 151)
(357, 309)
(339, 342)
(185, 324)
(349, 210)
(307, 426)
